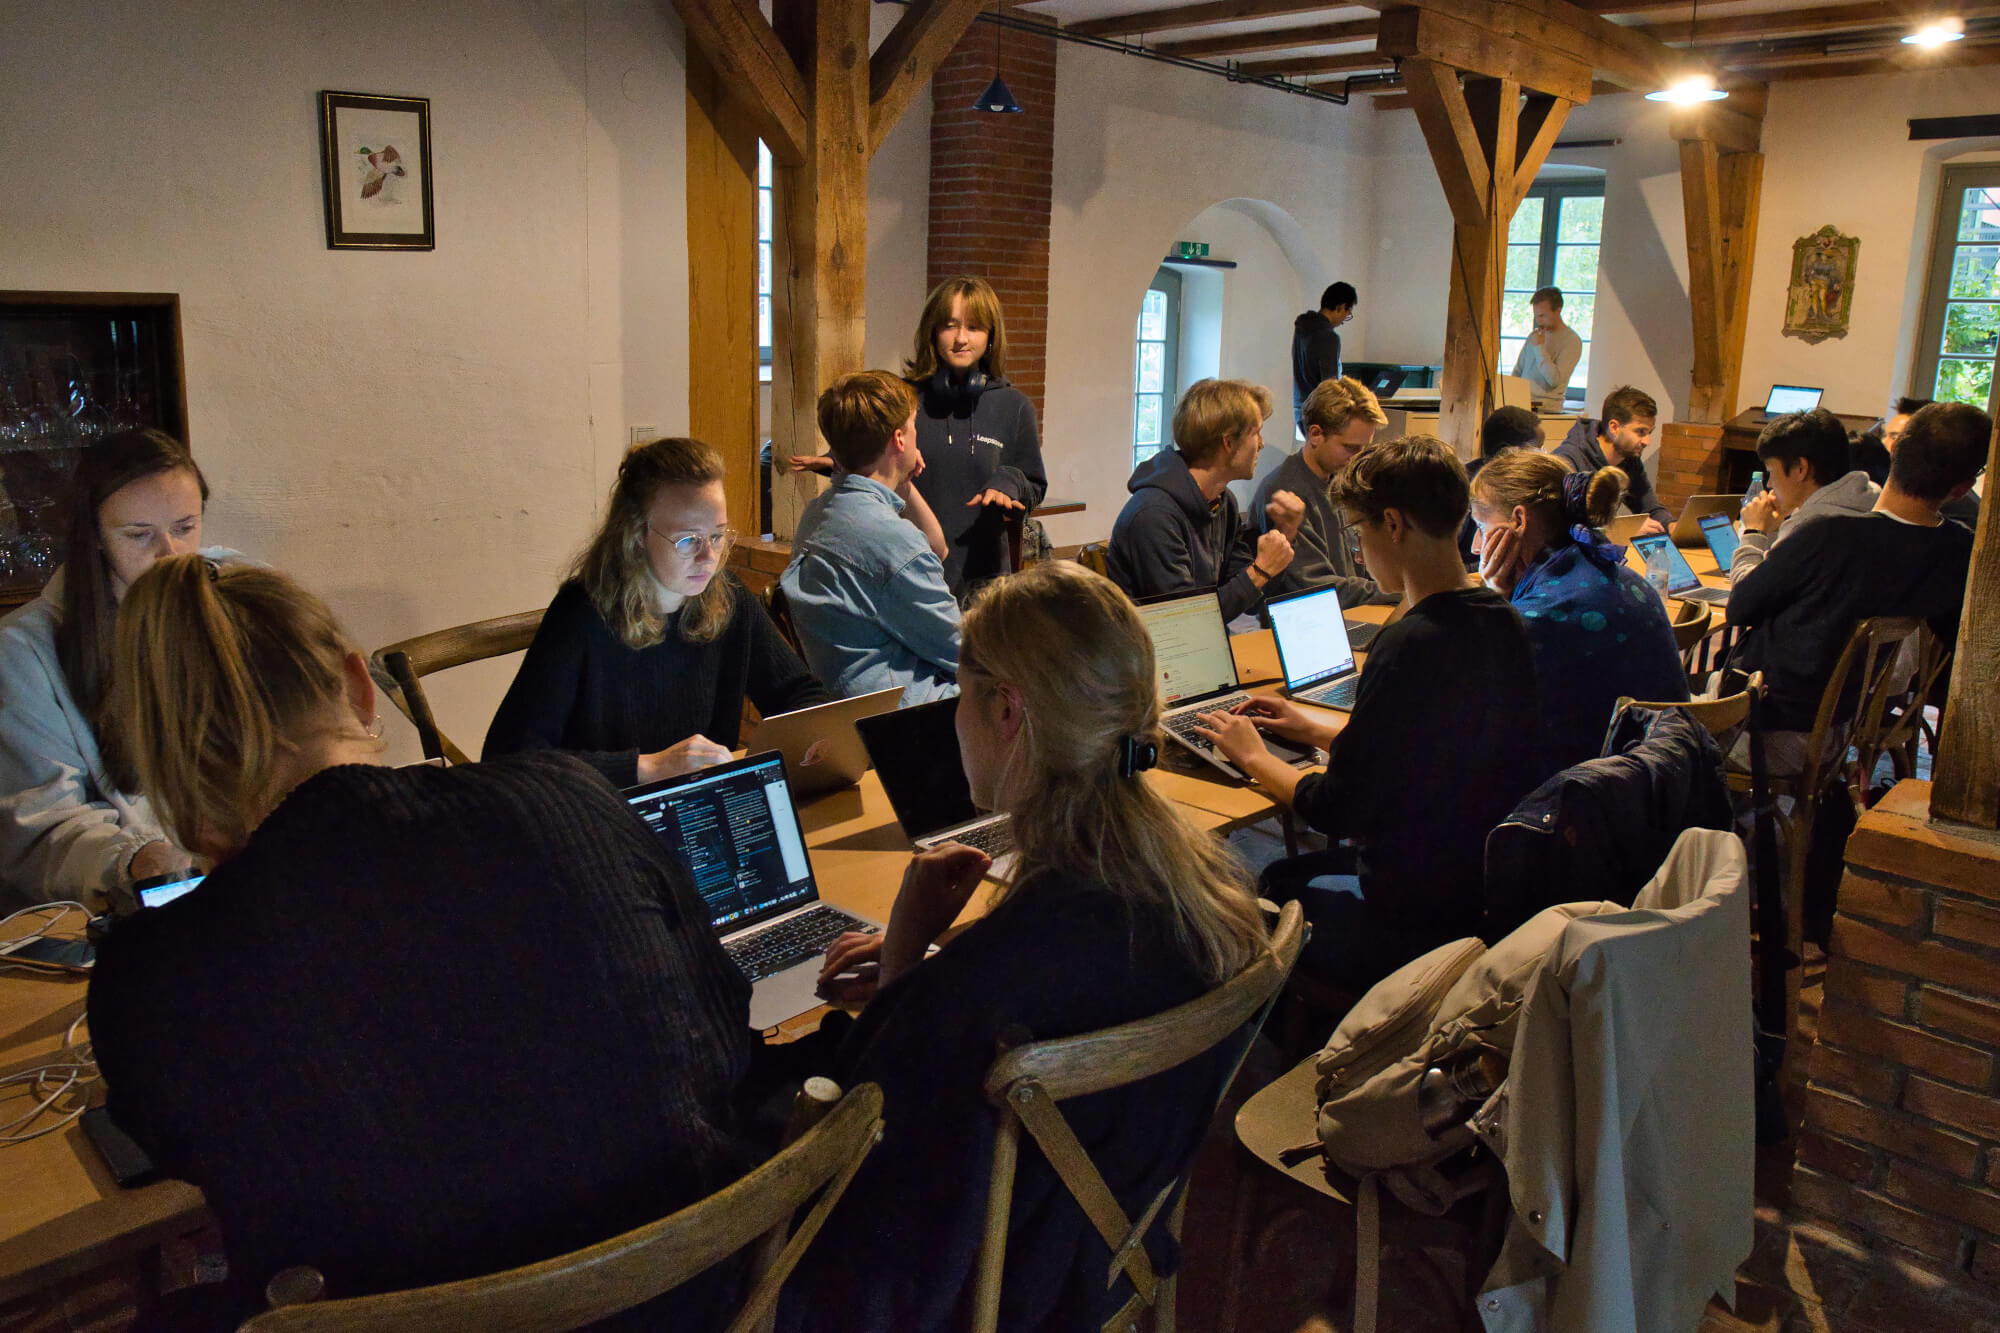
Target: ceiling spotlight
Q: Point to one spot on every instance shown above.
(1937, 32)
(1688, 91)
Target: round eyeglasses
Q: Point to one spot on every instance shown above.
(688, 545)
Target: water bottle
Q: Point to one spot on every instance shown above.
(1657, 572)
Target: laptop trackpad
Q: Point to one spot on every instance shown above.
(785, 995)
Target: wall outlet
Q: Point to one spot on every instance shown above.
(641, 434)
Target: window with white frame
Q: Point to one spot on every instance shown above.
(1959, 338)
(1553, 242)
(763, 261)
(1154, 362)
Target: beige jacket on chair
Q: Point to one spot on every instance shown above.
(1626, 1122)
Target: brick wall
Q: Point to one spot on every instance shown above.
(1690, 462)
(1902, 1129)
(991, 185)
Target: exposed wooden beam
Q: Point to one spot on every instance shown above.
(752, 67)
(1561, 30)
(1435, 35)
(1272, 39)
(908, 56)
(1897, 59)
(1446, 121)
(1809, 22)
(1718, 123)
(1194, 16)
(1541, 121)
(1967, 777)
(1300, 66)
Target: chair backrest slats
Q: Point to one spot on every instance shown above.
(440, 650)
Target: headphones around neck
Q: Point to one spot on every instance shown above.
(957, 395)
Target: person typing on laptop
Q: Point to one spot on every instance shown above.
(1805, 457)
(1182, 531)
(1441, 743)
(1341, 418)
(1120, 910)
(418, 1024)
(866, 583)
(1619, 439)
(1598, 631)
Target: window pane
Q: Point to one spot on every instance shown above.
(764, 269)
(1975, 272)
(1526, 226)
(1979, 216)
(1146, 423)
(1964, 382)
(763, 164)
(764, 321)
(1522, 261)
(1152, 367)
(1580, 377)
(1971, 330)
(1516, 320)
(1153, 315)
(1510, 349)
(1579, 312)
(1576, 268)
(763, 215)
(1580, 220)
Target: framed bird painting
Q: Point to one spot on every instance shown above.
(375, 169)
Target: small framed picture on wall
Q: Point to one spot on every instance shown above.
(375, 170)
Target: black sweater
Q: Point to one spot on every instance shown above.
(1060, 956)
(1802, 603)
(428, 1024)
(1443, 742)
(1169, 538)
(1315, 357)
(580, 688)
(977, 439)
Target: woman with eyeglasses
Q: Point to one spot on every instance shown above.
(645, 656)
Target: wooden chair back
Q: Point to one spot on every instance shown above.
(1691, 622)
(1026, 1083)
(1095, 557)
(779, 608)
(441, 650)
(616, 1274)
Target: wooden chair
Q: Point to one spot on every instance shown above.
(780, 610)
(438, 651)
(1027, 1083)
(1096, 557)
(1691, 625)
(617, 1274)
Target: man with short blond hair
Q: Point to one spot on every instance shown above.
(1341, 417)
(1182, 531)
(866, 583)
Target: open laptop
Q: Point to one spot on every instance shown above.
(1386, 380)
(1686, 530)
(1789, 398)
(1197, 674)
(1719, 531)
(1681, 580)
(1313, 648)
(825, 735)
(915, 751)
(738, 831)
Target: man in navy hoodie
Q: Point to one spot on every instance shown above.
(1182, 530)
(1316, 347)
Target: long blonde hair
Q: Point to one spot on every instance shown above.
(613, 567)
(1536, 482)
(1073, 646)
(219, 669)
(982, 308)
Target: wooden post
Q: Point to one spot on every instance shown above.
(1722, 176)
(1966, 782)
(722, 284)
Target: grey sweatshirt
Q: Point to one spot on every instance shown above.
(1319, 551)
(1851, 494)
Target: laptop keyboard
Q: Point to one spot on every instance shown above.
(790, 942)
(1183, 724)
(1361, 633)
(995, 839)
(1340, 694)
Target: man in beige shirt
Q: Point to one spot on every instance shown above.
(1549, 357)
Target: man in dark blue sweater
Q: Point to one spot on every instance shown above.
(1315, 345)
(1619, 439)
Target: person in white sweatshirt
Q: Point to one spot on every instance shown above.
(1807, 478)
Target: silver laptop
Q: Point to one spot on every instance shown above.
(1719, 531)
(1197, 675)
(1686, 530)
(1313, 649)
(1789, 398)
(1681, 580)
(822, 751)
(738, 831)
(915, 752)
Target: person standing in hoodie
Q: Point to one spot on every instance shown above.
(1316, 347)
(1806, 459)
(1182, 531)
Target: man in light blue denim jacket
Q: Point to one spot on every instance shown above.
(866, 583)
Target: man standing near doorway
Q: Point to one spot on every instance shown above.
(1549, 357)
(1315, 345)
(1619, 439)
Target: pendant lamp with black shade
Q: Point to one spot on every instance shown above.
(998, 98)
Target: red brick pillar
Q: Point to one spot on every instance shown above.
(1690, 462)
(991, 182)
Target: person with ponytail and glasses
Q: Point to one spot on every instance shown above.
(1119, 909)
(417, 1024)
(1597, 628)
(643, 660)
(73, 824)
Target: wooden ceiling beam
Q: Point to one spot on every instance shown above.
(753, 68)
(909, 55)
(1273, 39)
(1195, 16)
(1301, 66)
(1558, 29)
(1810, 22)
(1464, 44)
(1852, 66)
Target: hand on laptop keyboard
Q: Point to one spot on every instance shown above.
(852, 969)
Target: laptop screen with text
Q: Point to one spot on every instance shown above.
(1719, 530)
(737, 830)
(1190, 647)
(1680, 574)
(1312, 637)
(1791, 398)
